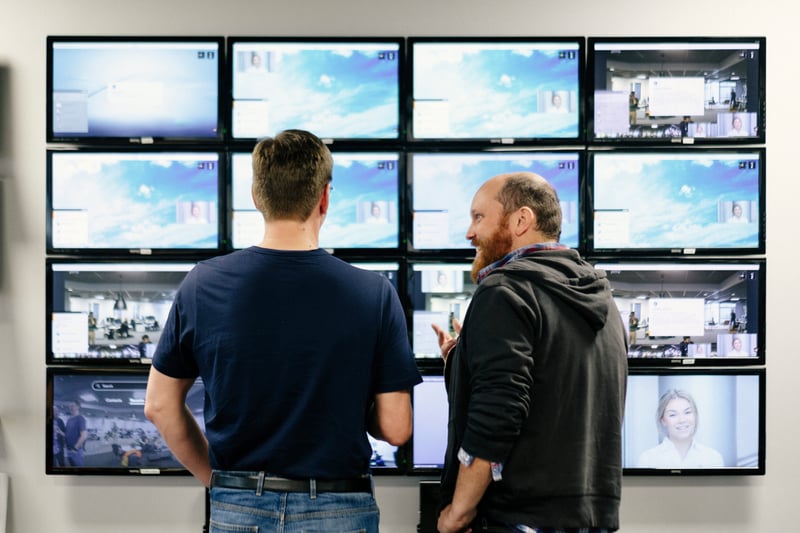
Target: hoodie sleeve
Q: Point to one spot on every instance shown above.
(498, 342)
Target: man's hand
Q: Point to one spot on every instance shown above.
(446, 341)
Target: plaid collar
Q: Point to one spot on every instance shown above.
(516, 254)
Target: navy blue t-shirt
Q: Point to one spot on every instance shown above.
(292, 348)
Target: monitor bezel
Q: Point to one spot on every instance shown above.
(760, 470)
(579, 139)
(591, 69)
(52, 137)
(108, 372)
(591, 250)
(52, 263)
(221, 224)
(354, 143)
(716, 362)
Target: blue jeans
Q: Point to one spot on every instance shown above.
(238, 510)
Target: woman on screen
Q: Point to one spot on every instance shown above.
(676, 418)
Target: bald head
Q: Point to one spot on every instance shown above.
(515, 190)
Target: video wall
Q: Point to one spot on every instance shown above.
(656, 147)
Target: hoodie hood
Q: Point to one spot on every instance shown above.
(564, 275)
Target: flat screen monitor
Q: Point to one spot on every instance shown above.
(101, 313)
(364, 210)
(134, 89)
(442, 185)
(138, 202)
(388, 269)
(679, 202)
(694, 422)
(438, 291)
(429, 437)
(386, 458)
(505, 90)
(107, 406)
(341, 89)
(676, 90)
(691, 313)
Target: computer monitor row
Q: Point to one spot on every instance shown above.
(687, 313)
(498, 90)
(721, 412)
(689, 202)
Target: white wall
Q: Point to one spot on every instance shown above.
(100, 504)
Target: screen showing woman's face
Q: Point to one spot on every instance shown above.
(679, 420)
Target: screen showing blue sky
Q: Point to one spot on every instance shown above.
(129, 200)
(495, 90)
(443, 186)
(676, 200)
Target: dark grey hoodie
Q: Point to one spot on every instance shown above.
(537, 383)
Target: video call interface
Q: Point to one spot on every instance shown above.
(135, 89)
(495, 90)
(676, 200)
(342, 90)
(689, 311)
(720, 414)
(134, 200)
(443, 184)
(364, 211)
(120, 438)
(674, 90)
(110, 311)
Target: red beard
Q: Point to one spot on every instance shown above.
(496, 247)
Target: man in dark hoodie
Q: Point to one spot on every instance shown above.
(535, 379)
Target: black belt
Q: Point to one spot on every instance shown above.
(280, 484)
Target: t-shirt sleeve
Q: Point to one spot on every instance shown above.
(173, 355)
(395, 367)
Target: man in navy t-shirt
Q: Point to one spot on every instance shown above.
(300, 354)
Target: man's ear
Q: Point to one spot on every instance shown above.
(325, 200)
(253, 196)
(524, 220)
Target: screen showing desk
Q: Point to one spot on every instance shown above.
(108, 405)
(109, 312)
(677, 90)
(691, 312)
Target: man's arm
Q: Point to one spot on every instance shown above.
(84, 434)
(471, 484)
(165, 406)
(390, 417)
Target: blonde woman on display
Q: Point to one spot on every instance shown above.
(676, 418)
